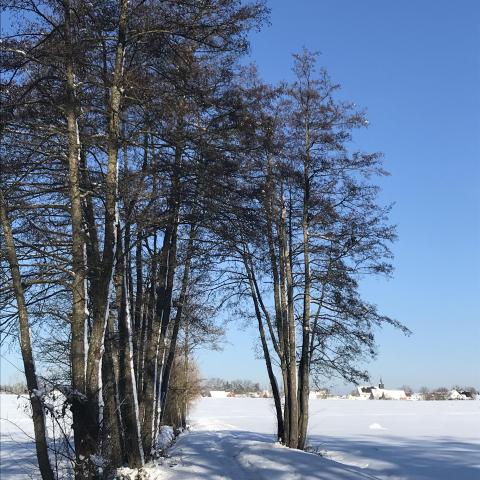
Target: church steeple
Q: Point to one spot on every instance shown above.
(380, 385)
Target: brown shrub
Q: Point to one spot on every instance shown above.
(184, 388)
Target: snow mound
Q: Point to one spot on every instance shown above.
(150, 472)
(165, 437)
(376, 426)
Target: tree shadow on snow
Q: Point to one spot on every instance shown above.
(443, 458)
(18, 458)
(234, 455)
(239, 455)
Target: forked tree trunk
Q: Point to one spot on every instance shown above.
(38, 413)
(266, 353)
(275, 243)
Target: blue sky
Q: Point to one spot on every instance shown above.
(415, 66)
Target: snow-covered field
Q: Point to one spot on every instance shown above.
(233, 439)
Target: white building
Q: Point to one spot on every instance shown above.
(380, 393)
(316, 394)
(218, 394)
(456, 395)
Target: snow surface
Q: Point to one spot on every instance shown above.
(233, 439)
(17, 447)
(165, 437)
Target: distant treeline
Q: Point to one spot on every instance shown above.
(234, 386)
(18, 388)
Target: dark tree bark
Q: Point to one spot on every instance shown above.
(150, 370)
(127, 382)
(38, 413)
(85, 444)
(113, 432)
(177, 321)
(304, 366)
(266, 352)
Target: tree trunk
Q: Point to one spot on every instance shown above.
(266, 353)
(291, 360)
(152, 349)
(113, 438)
(177, 321)
(83, 440)
(304, 367)
(127, 383)
(166, 307)
(139, 307)
(38, 413)
(103, 292)
(155, 352)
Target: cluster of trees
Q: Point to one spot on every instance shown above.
(149, 180)
(235, 386)
(17, 388)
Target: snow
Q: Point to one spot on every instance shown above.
(17, 448)
(218, 394)
(165, 437)
(376, 426)
(233, 438)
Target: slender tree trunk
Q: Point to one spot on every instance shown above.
(139, 307)
(152, 349)
(186, 352)
(177, 321)
(127, 383)
(304, 367)
(279, 289)
(84, 443)
(154, 355)
(269, 207)
(167, 306)
(286, 406)
(146, 331)
(38, 413)
(266, 353)
(284, 359)
(113, 438)
(103, 292)
(291, 361)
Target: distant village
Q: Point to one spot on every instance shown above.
(246, 389)
(218, 388)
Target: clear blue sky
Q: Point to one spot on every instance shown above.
(415, 65)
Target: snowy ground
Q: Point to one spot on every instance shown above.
(17, 448)
(233, 439)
